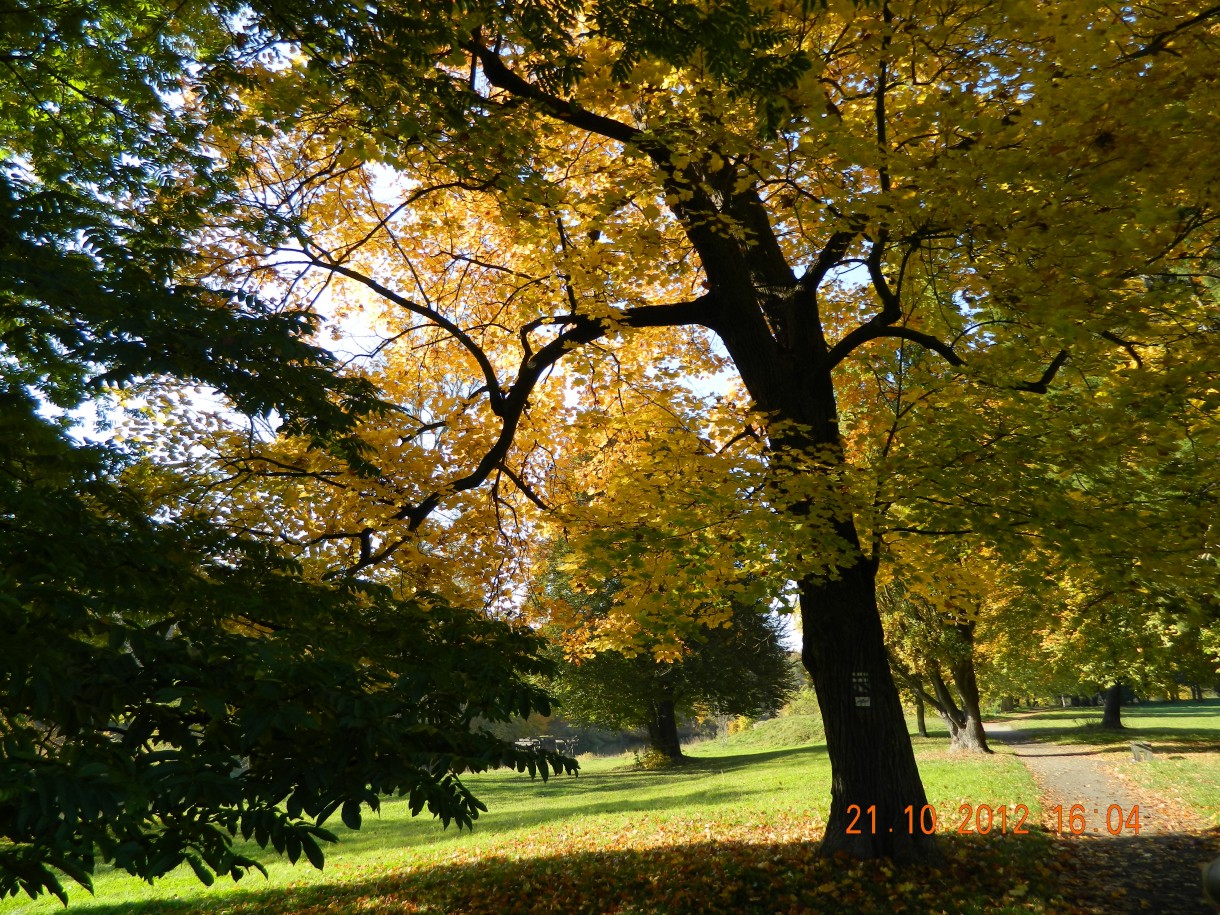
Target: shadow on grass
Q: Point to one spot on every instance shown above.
(1201, 709)
(745, 759)
(1084, 751)
(620, 790)
(1163, 740)
(995, 875)
(1175, 709)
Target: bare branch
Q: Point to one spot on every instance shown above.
(526, 489)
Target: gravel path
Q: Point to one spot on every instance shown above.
(1154, 870)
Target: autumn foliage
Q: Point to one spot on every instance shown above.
(733, 296)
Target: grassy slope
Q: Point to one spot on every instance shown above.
(1184, 735)
(734, 830)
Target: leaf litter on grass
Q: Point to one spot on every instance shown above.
(725, 833)
(672, 866)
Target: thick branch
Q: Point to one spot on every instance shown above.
(881, 324)
(1042, 385)
(891, 306)
(874, 330)
(525, 488)
(581, 330)
(1128, 345)
(831, 256)
(570, 112)
(883, 173)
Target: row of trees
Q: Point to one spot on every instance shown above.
(720, 295)
(1059, 640)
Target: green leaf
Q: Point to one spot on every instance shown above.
(351, 814)
(201, 870)
(313, 852)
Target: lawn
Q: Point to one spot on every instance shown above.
(735, 830)
(1188, 781)
(1185, 737)
(1174, 726)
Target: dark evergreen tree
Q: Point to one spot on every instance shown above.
(740, 668)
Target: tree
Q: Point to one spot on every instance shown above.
(925, 642)
(736, 667)
(167, 685)
(994, 186)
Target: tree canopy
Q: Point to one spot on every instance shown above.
(957, 257)
(168, 686)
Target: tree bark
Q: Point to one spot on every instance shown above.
(1111, 718)
(950, 714)
(921, 722)
(663, 730)
(970, 736)
(876, 792)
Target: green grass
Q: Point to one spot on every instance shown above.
(1188, 782)
(803, 730)
(1179, 727)
(773, 734)
(733, 830)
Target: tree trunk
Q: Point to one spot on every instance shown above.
(876, 793)
(782, 359)
(921, 723)
(663, 730)
(970, 737)
(1111, 718)
(950, 714)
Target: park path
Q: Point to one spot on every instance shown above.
(1156, 870)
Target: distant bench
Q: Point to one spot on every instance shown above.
(566, 746)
